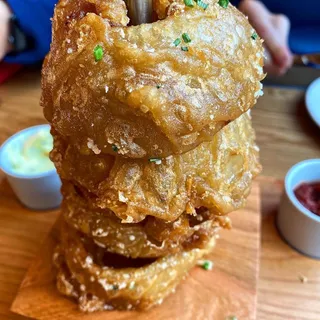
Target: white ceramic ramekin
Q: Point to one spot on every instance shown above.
(297, 225)
(35, 191)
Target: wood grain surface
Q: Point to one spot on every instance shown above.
(285, 134)
(225, 291)
(289, 283)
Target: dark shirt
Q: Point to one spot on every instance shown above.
(34, 18)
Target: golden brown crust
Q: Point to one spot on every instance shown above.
(84, 273)
(216, 175)
(131, 227)
(147, 96)
(150, 238)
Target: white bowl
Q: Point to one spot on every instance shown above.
(36, 191)
(313, 101)
(297, 225)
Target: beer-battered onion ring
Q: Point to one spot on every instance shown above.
(216, 175)
(152, 140)
(100, 282)
(150, 238)
(151, 90)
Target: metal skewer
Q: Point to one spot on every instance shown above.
(140, 11)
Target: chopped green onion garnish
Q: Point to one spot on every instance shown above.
(202, 5)
(98, 53)
(184, 48)
(115, 287)
(254, 36)
(189, 3)
(158, 86)
(205, 264)
(224, 3)
(155, 160)
(186, 38)
(115, 148)
(177, 42)
(232, 318)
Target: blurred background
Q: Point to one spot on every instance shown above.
(291, 30)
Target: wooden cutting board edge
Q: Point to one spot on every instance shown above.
(38, 298)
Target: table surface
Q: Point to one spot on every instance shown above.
(285, 134)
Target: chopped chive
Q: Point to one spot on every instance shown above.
(177, 42)
(254, 36)
(186, 38)
(115, 148)
(202, 5)
(207, 265)
(189, 3)
(158, 86)
(155, 160)
(224, 3)
(232, 318)
(184, 48)
(98, 53)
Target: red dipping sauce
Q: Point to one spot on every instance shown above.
(309, 196)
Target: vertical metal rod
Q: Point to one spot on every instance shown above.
(140, 11)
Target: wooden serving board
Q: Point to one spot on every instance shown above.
(230, 289)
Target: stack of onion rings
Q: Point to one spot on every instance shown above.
(152, 140)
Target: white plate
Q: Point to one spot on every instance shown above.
(313, 100)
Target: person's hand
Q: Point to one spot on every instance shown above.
(274, 29)
(5, 15)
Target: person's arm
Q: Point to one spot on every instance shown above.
(33, 17)
(274, 30)
(5, 15)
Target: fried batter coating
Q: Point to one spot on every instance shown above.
(216, 175)
(148, 239)
(100, 281)
(147, 97)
